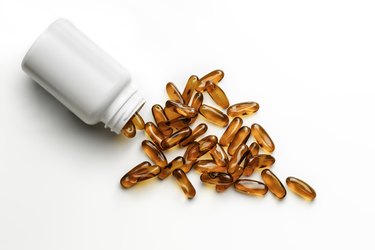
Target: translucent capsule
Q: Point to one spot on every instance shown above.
(182, 109)
(184, 183)
(236, 175)
(141, 172)
(170, 112)
(197, 131)
(231, 131)
(129, 129)
(262, 138)
(242, 109)
(154, 153)
(173, 93)
(219, 155)
(154, 133)
(241, 137)
(301, 188)
(254, 148)
(239, 155)
(207, 143)
(177, 123)
(261, 161)
(214, 115)
(192, 152)
(138, 121)
(175, 138)
(273, 183)
(216, 178)
(208, 166)
(189, 88)
(250, 187)
(166, 171)
(217, 94)
(214, 76)
(196, 103)
(159, 116)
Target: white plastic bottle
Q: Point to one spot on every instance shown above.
(82, 76)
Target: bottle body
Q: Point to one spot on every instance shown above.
(82, 76)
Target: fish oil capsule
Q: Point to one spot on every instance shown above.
(175, 138)
(231, 131)
(177, 123)
(154, 133)
(239, 155)
(219, 155)
(189, 88)
(241, 137)
(192, 152)
(166, 171)
(214, 77)
(273, 183)
(250, 187)
(170, 112)
(301, 188)
(197, 131)
(196, 103)
(262, 138)
(159, 116)
(154, 153)
(242, 109)
(182, 109)
(129, 129)
(208, 166)
(236, 175)
(216, 178)
(261, 161)
(254, 148)
(217, 94)
(173, 93)
(207, 143)
(184, 183)
(141, 172)
(138, 121)
(214, 115)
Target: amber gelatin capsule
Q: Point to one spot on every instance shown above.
(208, 166)
(184, 183)
(154, 153)
(262, 138)
(177, 123)
(182, 109)
(196, 103)
(231, 131)
(173, 93)
(138, 121)
(217, 95)
(261, 161)
(141, 172)
(216, 178)
(236, 175)
(273, 183)
(197, 131)
(175, 138)
(250, 187)
(239, 155)
(214, 76)
(241, 137)
(207, 143)
(129, 129)
(159, 116)
(242, 109)
(219, 155)
(169, 111)
(301, 188)
(189, 88)
(254, 148)
(154, 133)
(177, 162)
(214, 115)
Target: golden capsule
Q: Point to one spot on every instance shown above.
(261, 161)
(154, 153)
(177, 123)
(248, 170)
(214, 115)
(175, 138)
(173, 93)
(138, 121)
(254, 148)
(219, 155)
(273, 183)
(207, 143)
(262, 137)
(241, 137)
(182, 109)
(159, 116)
(141, 172)
(250, 187)
(208, 166)
(214, 76)
(154, 133)
(197, 131)
(192, 152)
(239, 155)
(242, 109)
(184, 183)
(231, 131)
(189, 88)
(129, 129)
(196, 103)
(236, 175)
(170, 112)
(166, 171)
(216, 178)
(217, 95)
(301, 188)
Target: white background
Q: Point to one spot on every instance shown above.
(310, 65)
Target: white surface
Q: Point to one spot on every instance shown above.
(310, 65)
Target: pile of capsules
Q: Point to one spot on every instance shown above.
(230, 157)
